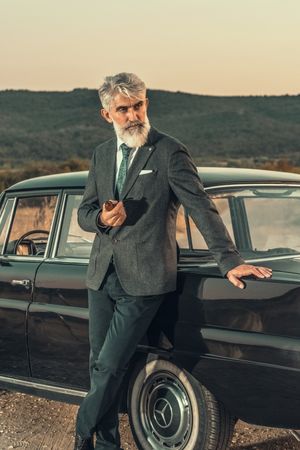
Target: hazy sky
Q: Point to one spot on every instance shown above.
(216, 47)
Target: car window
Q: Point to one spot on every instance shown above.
(5, 220)
(274, 219)
(31, 225)
(73, 242)
(222, 205)
(261, 220)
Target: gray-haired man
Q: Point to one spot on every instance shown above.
(147, 175)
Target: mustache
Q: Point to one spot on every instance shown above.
(133, 124)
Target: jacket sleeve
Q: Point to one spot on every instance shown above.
(188, 188)
(89, 208)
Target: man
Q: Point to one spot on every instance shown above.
(146, 174)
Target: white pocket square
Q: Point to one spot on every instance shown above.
(144, 172)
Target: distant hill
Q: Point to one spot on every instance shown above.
(62, 125)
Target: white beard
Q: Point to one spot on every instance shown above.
(134, 136)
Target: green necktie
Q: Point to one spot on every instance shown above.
(123, 169)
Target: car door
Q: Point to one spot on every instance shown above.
(25, 227)
(250, 337)
(58, 315)
(263, 222)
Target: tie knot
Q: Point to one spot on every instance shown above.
(125, 150)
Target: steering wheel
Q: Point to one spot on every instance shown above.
(30, 241)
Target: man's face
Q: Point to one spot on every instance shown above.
(129, 118)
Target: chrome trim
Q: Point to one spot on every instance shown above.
(161, 392)
(264, 184)
(3, 207)
(26, 283)
(52, 223)
(68, 260)
(60, 310)
(196, 264)
(59, 225)
(296, 434)
(22, 258)
(2, 194)
(271, 258)
(267, 258)
(9, 223)
(43, 387)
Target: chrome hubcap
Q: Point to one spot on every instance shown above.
(165, 412)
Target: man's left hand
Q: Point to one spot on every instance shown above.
(243, 270)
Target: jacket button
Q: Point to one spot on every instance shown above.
(115, 241)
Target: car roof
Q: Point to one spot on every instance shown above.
(210, 176)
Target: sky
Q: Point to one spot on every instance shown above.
(212, 47)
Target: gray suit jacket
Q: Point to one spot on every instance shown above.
(144, 247)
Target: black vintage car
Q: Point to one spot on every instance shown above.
(214, 353)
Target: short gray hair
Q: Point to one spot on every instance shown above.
(124, 83)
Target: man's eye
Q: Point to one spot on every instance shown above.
(138, 105)
(122, 110)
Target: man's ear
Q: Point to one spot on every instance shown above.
(105, 114)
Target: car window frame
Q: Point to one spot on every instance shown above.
(53, 254)
(15, 195)
(10, 220)
(184, 250)
(204, 253)
(2, 198)
(200, 257)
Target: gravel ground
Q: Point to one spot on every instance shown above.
(28, 422)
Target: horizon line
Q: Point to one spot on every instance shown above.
(149, 89)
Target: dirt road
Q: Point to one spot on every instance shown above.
(33, 423)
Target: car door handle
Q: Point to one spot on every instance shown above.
(25, 283)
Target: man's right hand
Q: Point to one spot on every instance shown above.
(114, 218)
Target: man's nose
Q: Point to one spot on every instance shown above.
(132, 114)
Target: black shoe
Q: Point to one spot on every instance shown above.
(83, 444)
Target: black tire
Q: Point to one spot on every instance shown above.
(169, 408)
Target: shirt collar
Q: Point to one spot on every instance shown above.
(120, 142)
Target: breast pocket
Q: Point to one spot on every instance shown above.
(147, 179)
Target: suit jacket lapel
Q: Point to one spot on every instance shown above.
(140, 160)
(108, 170)
(142, 156)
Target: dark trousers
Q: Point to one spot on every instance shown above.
(117, 322)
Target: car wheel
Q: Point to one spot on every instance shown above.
(169, 409)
